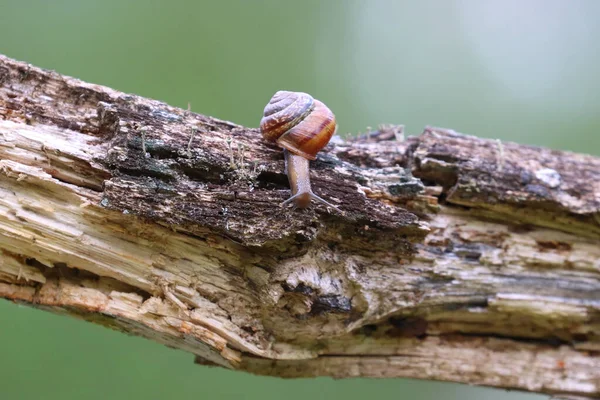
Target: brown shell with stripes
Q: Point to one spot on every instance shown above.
(298, 123)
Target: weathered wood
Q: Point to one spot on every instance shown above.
(456, 258)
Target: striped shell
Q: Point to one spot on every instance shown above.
(298, 123)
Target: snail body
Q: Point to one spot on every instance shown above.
(302, 126)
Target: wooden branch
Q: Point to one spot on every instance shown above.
(456, 258)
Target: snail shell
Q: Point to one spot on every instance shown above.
(297, 122)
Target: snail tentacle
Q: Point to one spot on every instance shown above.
(312, 196)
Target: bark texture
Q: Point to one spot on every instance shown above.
(456, 258)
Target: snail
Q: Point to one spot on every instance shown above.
(302, 126)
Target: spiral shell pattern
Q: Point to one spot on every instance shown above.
(298, 123)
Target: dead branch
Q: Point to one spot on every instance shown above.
(456, 258)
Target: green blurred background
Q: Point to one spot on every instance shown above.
(526, 71)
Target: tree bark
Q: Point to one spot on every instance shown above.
(455, 258)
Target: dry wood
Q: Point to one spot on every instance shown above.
(456, 258)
